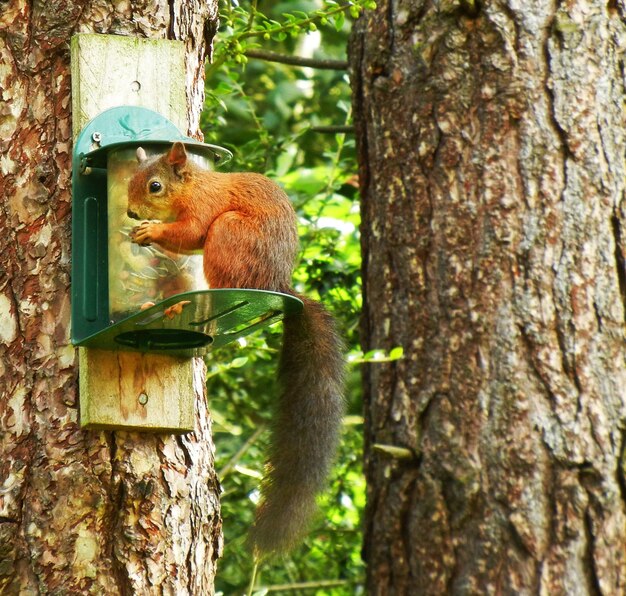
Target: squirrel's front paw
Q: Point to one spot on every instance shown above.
(143, 234)
(176, 309)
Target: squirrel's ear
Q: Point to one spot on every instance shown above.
(141, 155)
(177, 157)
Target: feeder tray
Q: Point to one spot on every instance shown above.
(207, 319)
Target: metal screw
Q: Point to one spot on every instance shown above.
(96, 137)
(143, 399)
(83, 168)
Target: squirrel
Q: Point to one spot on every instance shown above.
(247, 229)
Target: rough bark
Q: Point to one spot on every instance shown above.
(82, 512)
(491, 142)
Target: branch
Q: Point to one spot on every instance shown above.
(333, 130)
(329, 583)
(297, 60)
(242, 451)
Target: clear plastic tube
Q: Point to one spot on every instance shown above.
(139, 275)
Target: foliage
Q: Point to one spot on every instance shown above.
(267, 114)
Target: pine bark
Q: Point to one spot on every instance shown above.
(82, 512)
(491, 144)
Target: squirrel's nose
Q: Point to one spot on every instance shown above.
(132, 214)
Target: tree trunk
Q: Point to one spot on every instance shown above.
(491, 143)
(82, 511)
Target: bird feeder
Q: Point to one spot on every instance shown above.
(144, 298)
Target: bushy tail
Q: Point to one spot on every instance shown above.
(306, 428)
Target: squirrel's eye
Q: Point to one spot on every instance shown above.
(155, 186)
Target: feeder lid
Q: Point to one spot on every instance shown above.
(134, 126)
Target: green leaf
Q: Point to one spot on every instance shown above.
(396, 353)
(239, 362)
(339, 20)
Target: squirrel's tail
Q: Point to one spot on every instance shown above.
(306, 428)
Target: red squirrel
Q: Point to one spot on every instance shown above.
(247, 229)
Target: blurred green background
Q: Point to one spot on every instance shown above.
(272, 116)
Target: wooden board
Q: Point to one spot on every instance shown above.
(110, 71)
(135, 391)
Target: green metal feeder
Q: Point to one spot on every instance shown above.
(146, 299)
